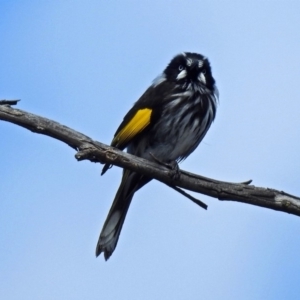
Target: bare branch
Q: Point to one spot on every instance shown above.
(88, 149)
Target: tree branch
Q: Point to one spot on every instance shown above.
(88, 149)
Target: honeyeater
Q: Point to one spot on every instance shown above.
(166, 124)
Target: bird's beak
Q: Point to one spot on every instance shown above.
(194, 68)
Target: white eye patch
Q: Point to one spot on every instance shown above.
(181, 75)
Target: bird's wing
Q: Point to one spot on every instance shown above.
(141, 116)
(133, 124)
(135, 121)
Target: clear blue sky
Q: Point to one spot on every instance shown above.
(83, 64)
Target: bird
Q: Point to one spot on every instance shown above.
(166, 124)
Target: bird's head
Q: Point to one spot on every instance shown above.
(189, 69)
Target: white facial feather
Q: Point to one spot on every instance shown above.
(189, 62)
(181, 75)
(202, 78)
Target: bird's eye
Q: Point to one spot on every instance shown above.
(203, 71)
(181, 67)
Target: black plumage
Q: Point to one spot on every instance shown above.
(167, 123)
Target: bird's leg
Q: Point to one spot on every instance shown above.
(174, 172)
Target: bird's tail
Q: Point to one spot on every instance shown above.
(109, 235)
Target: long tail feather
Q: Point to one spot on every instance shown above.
(110, 233)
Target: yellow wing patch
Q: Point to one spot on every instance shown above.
(139, 122)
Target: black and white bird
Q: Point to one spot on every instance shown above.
(166, 124)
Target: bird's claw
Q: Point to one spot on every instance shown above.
(174, 172)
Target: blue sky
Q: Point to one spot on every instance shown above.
(83, 64)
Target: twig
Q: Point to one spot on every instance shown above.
(182, 192)
(9, 102)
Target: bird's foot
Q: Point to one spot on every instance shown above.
(174, 172)
(174, 169)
